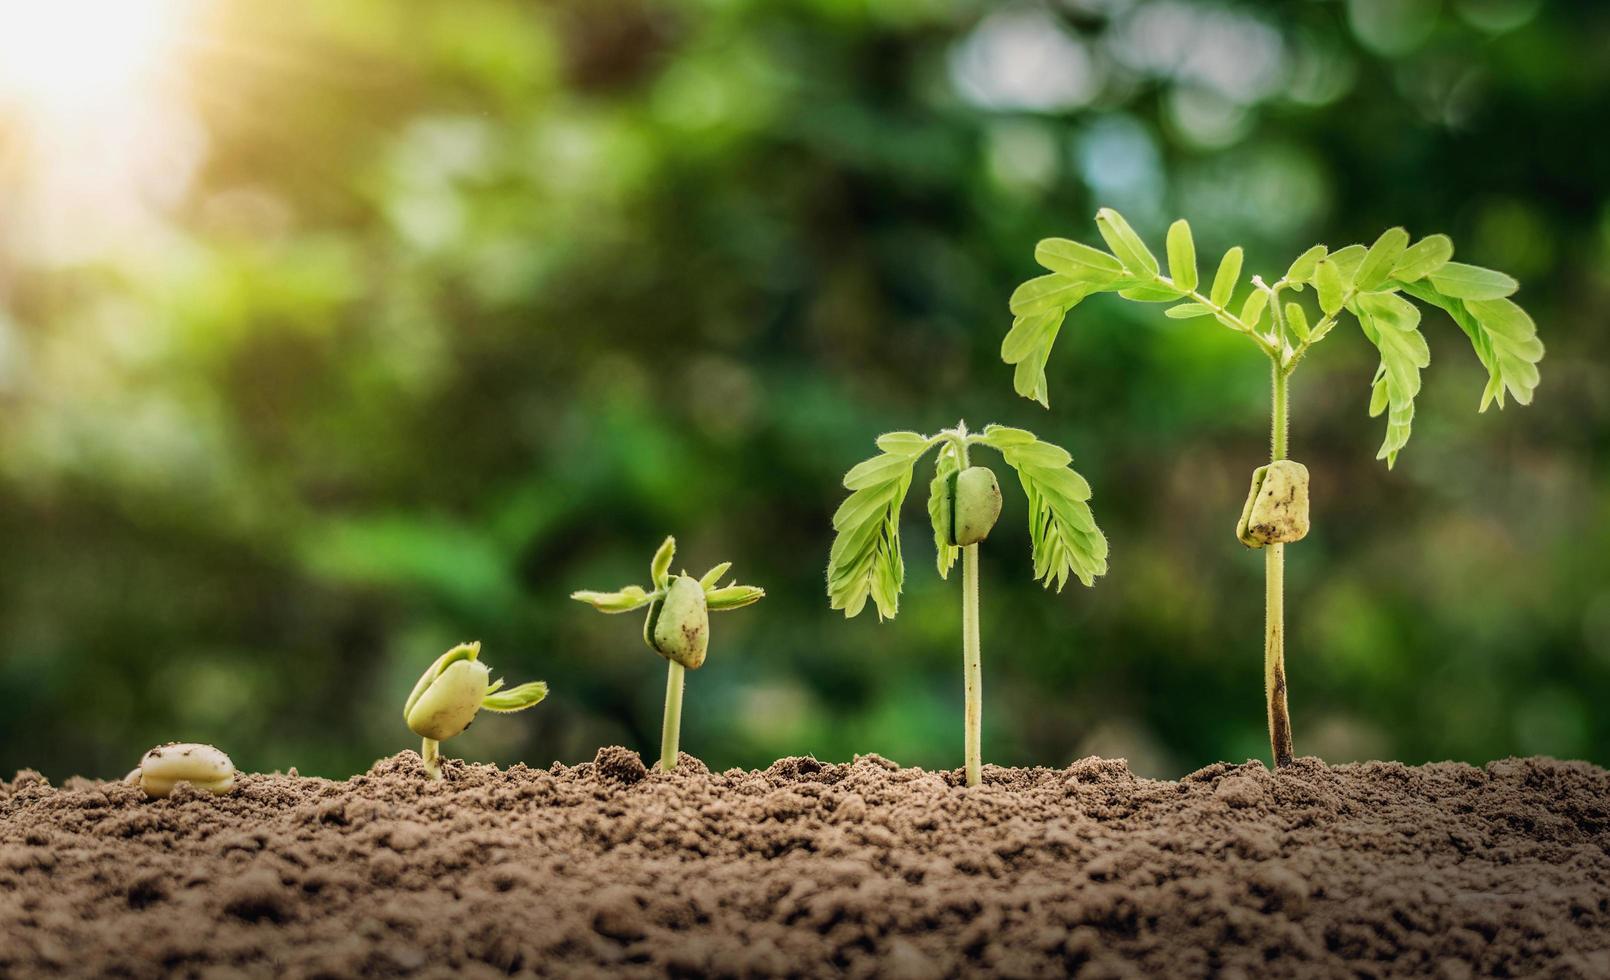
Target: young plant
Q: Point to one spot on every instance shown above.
(1367, 282)
(677, 626)
(964, 501)
(449, 694)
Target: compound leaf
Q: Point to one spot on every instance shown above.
(1062, 529)
(865, 561)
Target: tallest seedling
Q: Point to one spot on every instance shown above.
(1369, 283)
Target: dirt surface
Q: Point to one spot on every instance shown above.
(811, 869)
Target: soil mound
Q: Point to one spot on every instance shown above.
(813, 869)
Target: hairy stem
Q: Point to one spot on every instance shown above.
(1274, 642)
(671, 731)
(429, 750)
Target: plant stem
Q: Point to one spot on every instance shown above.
(972, 664)
(428, 751)
(1274, 643)
(671, 731)
(972, 652)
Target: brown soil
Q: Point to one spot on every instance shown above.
(811, 869)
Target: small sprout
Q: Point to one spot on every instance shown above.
(964, 502)
(677, 626)
(166, 766)
(1371, 283)
(452, 691)
(1276, 511)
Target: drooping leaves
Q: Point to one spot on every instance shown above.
(1062, 530)
(946, 466)
(1503, 335)
(1392, 324)
(865, 560)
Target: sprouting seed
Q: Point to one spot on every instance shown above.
(452, 691)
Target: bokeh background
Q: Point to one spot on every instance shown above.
(334, 333)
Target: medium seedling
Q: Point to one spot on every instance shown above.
(964, 502)
(1367, 282)
(677, 626)
(450, 694)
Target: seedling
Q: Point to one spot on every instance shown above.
(964, 502)
(677, 626)
(166, 766)
(1368, 282)
(451, 692)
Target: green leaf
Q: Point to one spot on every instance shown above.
(1328, 284)
(1460, 281)
(1380, 259)
(660, 567)
(1185, 311)
(1001, 436)
(627, 599)
(1151, 292)
(1302, 270)
(515, 698)
(1028, 345)
(1182, 255)
(1078, 261)
(732, 596)
(1403, 354)
(1225, 279)
(1347, 261)
(938, 514)
(1388, 309)
(1046, 294)
(865, 561)
(1424, 257)
(903, 443)
(1297, 321)
(1125, 244)
(1252, 309)
(1504, 337)
(1062, 530)
(713, 576)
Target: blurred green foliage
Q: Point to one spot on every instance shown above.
(448, 309)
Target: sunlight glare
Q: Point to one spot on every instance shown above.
(70, 55)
